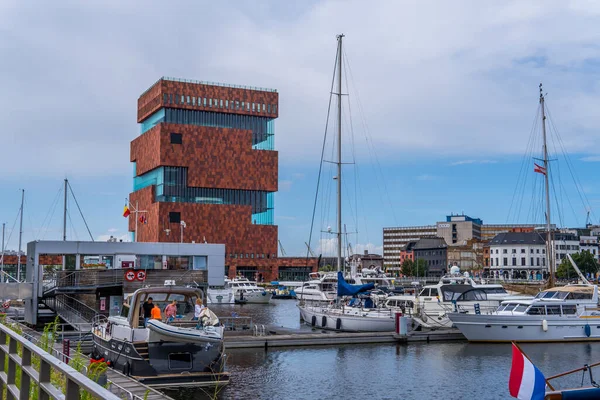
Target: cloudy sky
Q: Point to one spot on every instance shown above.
(448, 92)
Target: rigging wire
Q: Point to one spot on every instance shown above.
(50, 213)
(578, 185)
(322, 154)
(352, 148)
(29, 216)
(524, 162)
(370, 146)
(13, 227)
(80, 212)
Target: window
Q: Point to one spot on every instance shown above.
(264, 108)
(504, 251)
(177, 263)
(210, 102)
(193, 100)
(514, 261)
(226, 103)
(253, 107)
(182, 99)
(522, 250)
(165, 96)
(174, 217)
(149, 262)
(522, 261)
(221, 103)
(274, 109)
(243, 106)
(205, 102)
(200, 263)
(188, 100)
(269, 108)
(491, 262)
(537, 310)
(505, 261)
(247, 106)
(497, 262)
(531, 261)
(176, 138)
(514, 251)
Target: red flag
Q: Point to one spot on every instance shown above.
(539, 169)
(126, 212)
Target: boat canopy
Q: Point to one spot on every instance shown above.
(453, 291)
(346, 289)
(473, 295)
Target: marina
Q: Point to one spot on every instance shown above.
(263, 226)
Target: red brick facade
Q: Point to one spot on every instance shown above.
(215, 157)
(154, 98)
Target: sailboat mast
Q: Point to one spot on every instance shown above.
(339, 160)
(65, 213)
(20, 237)
(549, 249)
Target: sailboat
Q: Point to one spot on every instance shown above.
(359, 314)
(557, 314)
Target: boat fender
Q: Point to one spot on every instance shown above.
(313, 321)
(587, 330)
(324, 321)
(338, 324)
(545, 325)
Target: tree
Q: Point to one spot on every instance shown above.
(418, 267)
(407, 267)
(585, 261)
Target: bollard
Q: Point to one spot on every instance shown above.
(403, 326)
(66, 350)
(397, 320)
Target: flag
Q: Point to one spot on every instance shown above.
(539, 169)
(126, 212)
(526, 382)
(143, 219)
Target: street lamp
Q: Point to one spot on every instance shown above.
(182, 226)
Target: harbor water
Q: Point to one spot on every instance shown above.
(453, 370)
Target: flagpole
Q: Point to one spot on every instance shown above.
(135, 238)
(527, 357)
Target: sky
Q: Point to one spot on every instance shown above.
(442, 99)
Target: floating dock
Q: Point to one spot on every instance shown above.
(284, 337)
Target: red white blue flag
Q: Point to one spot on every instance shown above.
(539, 169)
(526, 382)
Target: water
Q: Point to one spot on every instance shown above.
(413, 371)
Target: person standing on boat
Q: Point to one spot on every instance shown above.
(198, 309)
(155, 313)
(147, 308)
(171, 311)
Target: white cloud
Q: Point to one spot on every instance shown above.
(285, 185)
(370, 247)
(426, 177)
(112, 230)
(465, 162)
(467, 73)
(591, 159)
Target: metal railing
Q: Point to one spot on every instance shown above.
(236, 323)
(76, 313)
(74, 381)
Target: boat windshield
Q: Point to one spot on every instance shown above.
(494, 290)
(472, 295)
(550, 294)
(453, 292)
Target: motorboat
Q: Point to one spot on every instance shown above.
(320, 288)
(181, 353)
(246, 291)
(219, 295)
(454, 292)
(559, 314)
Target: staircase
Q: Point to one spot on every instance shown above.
(142, 349)
(76, 313)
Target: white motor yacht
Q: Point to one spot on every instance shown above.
(560, 314)
(246, 291)
(219, 295)
(321, 287)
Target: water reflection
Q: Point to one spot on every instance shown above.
(387, 371)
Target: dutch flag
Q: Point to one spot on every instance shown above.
(526, 381)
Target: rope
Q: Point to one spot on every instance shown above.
(50, 212)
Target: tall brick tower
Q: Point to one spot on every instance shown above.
(205, 156)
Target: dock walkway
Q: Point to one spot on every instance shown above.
(136, 389)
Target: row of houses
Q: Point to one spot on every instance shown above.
(516, 251)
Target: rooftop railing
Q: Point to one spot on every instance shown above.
(227, 85)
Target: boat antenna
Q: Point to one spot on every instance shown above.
(546, 173)
(339, 156)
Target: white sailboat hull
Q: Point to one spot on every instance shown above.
(349, 320)
(528, 328)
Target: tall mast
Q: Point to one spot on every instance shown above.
(549, 249)
(20, 236)
(339, 160)
(65, 213)
(2, 261)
